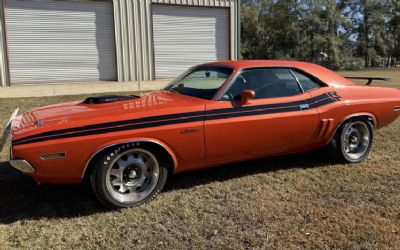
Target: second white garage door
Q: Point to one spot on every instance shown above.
(55, 41)
(186, 36)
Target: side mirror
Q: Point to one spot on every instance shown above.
(246, 95)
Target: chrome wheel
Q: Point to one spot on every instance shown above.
(132, 175)
(356, 140)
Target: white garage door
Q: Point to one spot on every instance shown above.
(55, 41)
(186, 36)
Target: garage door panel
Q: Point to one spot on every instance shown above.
(186, 36)
(55, 41)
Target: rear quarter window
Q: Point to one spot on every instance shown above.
(306, 82)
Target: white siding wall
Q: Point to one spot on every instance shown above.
(56, 41)
(133, 30)
(187, 36)
(134, 33)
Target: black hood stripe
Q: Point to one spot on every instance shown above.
(173, 116)
(163, 120)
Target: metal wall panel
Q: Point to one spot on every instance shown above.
(4, 77)
(133, 38)
(134, 33)
(186, 36)
(208, 3)
(56, 41)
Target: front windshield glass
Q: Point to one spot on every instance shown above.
(202, 82)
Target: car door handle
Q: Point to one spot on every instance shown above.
(304, 107)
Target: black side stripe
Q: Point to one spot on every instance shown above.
(268, 111)
(267, 106)
(112, 124)
(163, 120)
(118, 129)
(172, 116)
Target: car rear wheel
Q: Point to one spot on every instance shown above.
(352, 142)
(127, 177)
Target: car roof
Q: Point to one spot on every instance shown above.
(325, 75)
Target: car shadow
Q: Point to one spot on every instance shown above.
(22, 199)
(186, 180)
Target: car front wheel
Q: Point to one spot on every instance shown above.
(352, 142)
(128, 176)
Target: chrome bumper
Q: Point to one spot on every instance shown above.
(19, 164)
(7, 130)
(22, 166)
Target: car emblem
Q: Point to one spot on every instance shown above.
(190, 130)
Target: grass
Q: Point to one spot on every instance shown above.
(296, 201)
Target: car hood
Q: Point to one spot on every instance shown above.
(78, 113)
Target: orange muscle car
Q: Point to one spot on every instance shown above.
(213, 114)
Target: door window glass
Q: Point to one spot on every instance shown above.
(266, 83)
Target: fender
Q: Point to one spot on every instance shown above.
(370, 115)
(133, 140)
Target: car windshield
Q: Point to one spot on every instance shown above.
(201, 82)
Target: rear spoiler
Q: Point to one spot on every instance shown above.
(370, 79)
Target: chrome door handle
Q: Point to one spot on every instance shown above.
(304, 107)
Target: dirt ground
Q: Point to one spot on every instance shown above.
(297, 201)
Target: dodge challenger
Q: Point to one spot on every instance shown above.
(213, 114)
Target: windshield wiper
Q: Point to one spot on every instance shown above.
(173, 90)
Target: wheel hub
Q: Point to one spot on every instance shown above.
(132, 175)
(356, 140)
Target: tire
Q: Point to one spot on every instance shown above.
(128, 176)
(352, 141)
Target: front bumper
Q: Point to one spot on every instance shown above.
(19, 164)
(23, 166)
(7, 130)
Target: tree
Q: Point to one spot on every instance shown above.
(328, 32)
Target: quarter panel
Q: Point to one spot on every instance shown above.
(376, 102)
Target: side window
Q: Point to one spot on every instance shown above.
(306, 82)
(266, 83)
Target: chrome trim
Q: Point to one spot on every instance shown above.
(7, 129)
(132, 141)
(396, 108)
(297, 80)
(23, 166)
